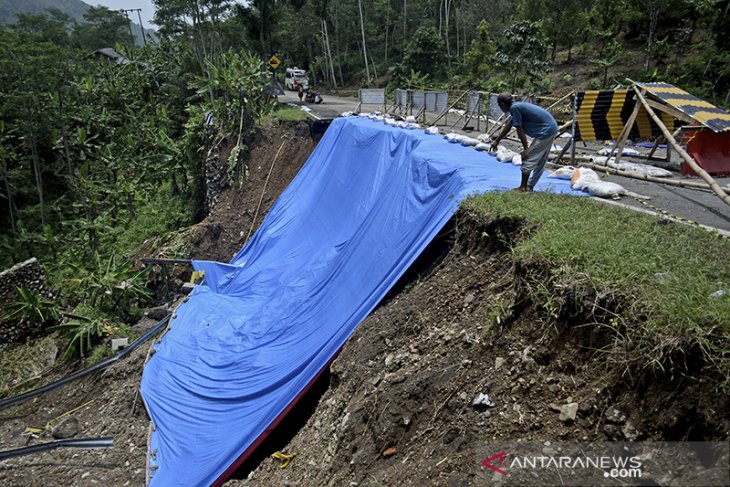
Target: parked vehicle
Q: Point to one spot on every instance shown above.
(313, 96)
(295, 76)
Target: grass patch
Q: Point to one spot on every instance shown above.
(286, 113)
(160, 214)
(671, 272)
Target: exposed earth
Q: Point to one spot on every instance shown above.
(397, 406)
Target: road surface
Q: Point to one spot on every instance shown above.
(702, 206)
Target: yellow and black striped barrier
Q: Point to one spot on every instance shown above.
(602, 115)
(704, 112)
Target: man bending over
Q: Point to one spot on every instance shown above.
(529, 119)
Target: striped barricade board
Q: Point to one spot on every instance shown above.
(602, 115)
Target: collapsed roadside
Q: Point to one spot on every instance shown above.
(492, 307)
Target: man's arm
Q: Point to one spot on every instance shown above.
(523, 139)
(503, 134)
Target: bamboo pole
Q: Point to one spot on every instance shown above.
(691, 162)
(656, 145)
(258, 207)
(643, 177)
(625, 133)
(560, 100)
(573, 126)
(449, 108)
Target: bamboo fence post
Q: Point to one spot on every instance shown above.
(695, 167)
(449, 108)
(656, 145)
(645, 177)
(559, 101)
(625, 134)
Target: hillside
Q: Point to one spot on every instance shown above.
(75, 9)
(10, 8)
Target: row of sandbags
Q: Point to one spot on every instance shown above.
(586, 179)
(582, 178)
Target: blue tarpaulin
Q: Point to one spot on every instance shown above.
(255, 335)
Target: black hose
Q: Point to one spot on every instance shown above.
(104, 442)
(10, 401)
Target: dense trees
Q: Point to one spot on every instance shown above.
(96, 156)
(476, 42)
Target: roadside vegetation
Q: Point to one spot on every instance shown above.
(662, 289)
(100, 160)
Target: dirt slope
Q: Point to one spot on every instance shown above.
(399, 408)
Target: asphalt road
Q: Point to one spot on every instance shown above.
(702, 206)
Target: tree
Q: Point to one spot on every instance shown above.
(425, 53)
(52, 27)
(611, 54)
(103, 28)
(479, 58)
(523, 51)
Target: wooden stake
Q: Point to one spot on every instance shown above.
(691, 162)
(258, 207)
(625, 133)
(585, 161)
(560, 101)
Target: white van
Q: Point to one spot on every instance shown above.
(295, 74)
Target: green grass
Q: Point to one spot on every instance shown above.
(285, 113)
(160, 214)
(668, 271)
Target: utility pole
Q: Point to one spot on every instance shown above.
(129, 22)
(141, 27)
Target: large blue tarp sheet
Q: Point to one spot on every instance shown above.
(255, 335)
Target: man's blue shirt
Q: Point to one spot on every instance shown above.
(535, 121)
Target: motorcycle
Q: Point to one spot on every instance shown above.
(313, 97)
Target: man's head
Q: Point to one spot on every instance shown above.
(504, 100)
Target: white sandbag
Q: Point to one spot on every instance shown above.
(644, 169)
(432, 131)
(411, 119)
(481, 146)
(504, 154)
(484, 138)
(582, 177)
(607, 189)
(412, 126)
(453, 137)
(564, 172)
(628, 151)
(346, 114)
(517, 160)
(469, 142)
